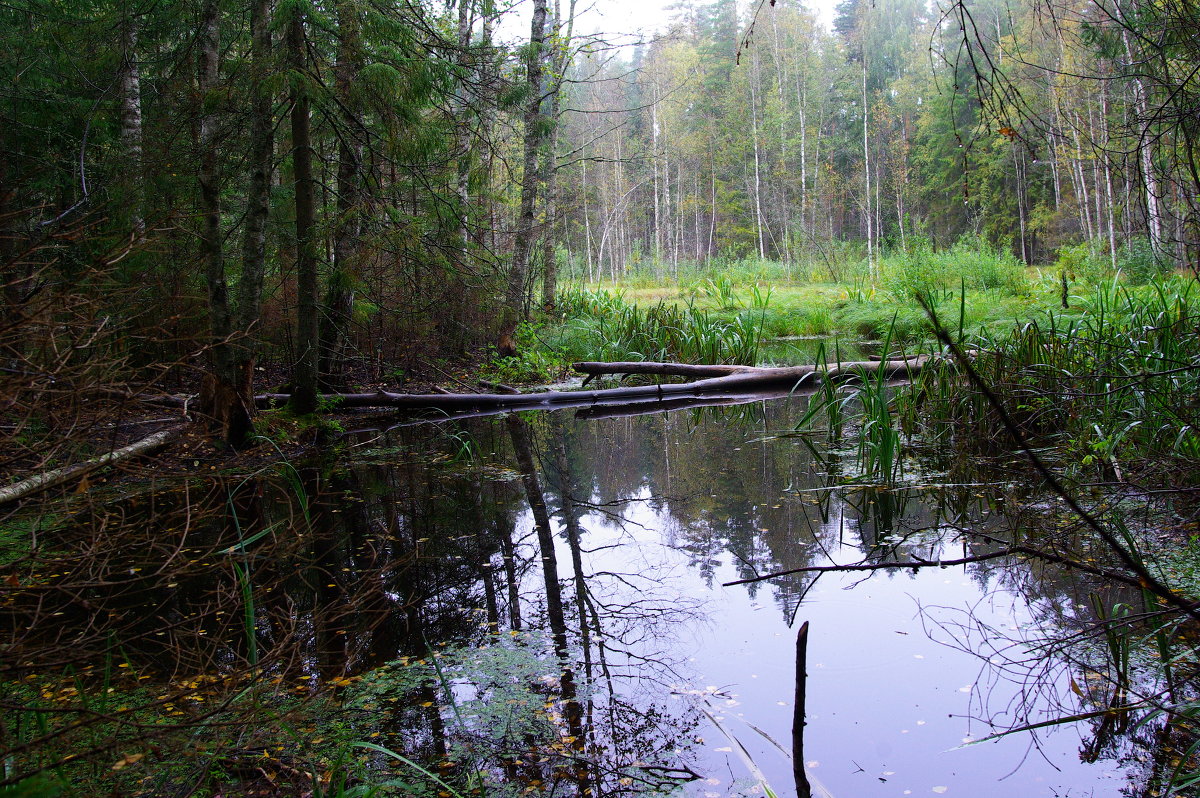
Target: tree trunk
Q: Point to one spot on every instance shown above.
(514, 298)
(758, 213)
(550, 179)
(654, 156)
(464, 154)
(1146, 159)
(561, 55)
(211, 245)
(1108, 188)
(129, 87)
(867, 171)
(227, 411)
(304, 373)
(343, 278)
(258, 199)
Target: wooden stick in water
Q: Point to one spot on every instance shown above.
(803, 788)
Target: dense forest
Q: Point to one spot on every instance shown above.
(1034, 127)
(379, 186)
(233, 231)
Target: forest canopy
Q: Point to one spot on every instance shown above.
(354, 190)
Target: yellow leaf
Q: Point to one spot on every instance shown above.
(128, 759)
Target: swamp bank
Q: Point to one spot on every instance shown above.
(536, 603)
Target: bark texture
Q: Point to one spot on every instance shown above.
(304, 374)
(518, 275)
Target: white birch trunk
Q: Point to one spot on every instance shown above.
(867, 172)
(758, 220)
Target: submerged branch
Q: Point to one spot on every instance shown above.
(1010, 551)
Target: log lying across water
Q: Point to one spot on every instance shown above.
(725, 384)
(713, 381)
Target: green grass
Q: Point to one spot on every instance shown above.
(827, 309)
(601, 325)
(1111, 387)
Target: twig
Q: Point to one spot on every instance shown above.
(1145, 579)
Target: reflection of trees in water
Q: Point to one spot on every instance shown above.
(409, 551)
(583, 707)
(336, 578)
(730, 489)
(1095, 654)
(724, 495)
(729, 500)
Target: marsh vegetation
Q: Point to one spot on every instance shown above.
(228, 227)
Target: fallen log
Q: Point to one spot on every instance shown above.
(715, 381)
(708, 381)
(48, 479)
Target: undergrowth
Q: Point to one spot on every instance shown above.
(600, 325)
(1115, 388)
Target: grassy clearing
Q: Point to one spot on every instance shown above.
(865, 303)
(651, 310)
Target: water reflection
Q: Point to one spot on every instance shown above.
(538, 602)
(654, 512)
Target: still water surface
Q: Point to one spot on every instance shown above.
(652, 515)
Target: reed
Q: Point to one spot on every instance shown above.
(879, 450)
(605, 327)
(868, 404)
(1121, 377)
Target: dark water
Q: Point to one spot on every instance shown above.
(649, 517)
(542, 599)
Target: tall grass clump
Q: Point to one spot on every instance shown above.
(970, 262)
(866, 404)
(602, 326)
(1114, 389)
(879, 447)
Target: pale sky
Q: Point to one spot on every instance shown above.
(629, 17)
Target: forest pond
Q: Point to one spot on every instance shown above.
(542, 603)
(679, 678)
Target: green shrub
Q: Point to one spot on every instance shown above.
(1137, 261)
(1083, 262)
(919, 271)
